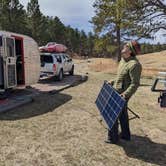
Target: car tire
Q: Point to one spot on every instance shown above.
(60, 75)
(72, 71)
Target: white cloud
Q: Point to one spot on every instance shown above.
(76, 13)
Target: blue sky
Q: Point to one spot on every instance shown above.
(76, 13)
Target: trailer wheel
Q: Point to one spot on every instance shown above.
(60, 75)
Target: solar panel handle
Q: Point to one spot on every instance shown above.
(107, 82)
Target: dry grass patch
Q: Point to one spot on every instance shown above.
(152, 64)
(103, 65)
(64, 129)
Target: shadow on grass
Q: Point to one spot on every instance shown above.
(43, 104)
(142, 148)
(76, 83)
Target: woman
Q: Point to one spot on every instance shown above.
(126, 84)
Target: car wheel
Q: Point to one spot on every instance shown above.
(60, 75)
(72, 71)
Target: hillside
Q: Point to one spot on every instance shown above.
(152, 64)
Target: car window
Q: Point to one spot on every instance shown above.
(46, 58)
(63, 56)
(58, 58)
(68, 58)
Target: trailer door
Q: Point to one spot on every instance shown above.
(1, 63)
(10, 65)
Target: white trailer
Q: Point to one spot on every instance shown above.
(19, 61)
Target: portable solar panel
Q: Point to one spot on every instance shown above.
(110, 104)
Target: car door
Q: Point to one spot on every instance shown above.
(59, 62)
(68, 63)
(64, 62)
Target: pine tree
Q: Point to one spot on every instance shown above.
(105, 46)
(70, 39)
(56, 30)
(90, 44)
(112, 16)
(83, 44)
(35, 20)
(13, 16)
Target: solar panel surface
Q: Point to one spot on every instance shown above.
(110, 104)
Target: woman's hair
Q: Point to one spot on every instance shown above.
(132, 54)
(134, 47)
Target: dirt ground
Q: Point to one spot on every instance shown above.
(64, 129)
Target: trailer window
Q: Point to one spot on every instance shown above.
(10, 47)
(46, 59)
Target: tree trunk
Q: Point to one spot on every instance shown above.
(118, 44)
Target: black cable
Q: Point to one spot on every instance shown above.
(136, 115)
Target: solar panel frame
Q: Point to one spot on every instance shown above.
(110, 104)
